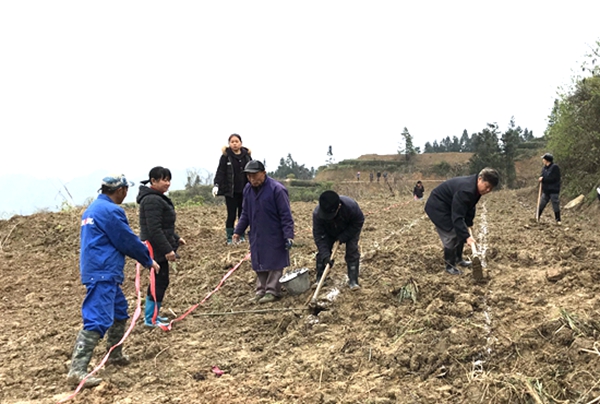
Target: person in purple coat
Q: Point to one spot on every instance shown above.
(266, 210)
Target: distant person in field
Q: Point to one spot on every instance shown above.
(385, 176)
(338, 218)
(378, 175)
(418, 191)
(157, 226)
(268, 213)
(451, 208)
(550, 183)
(106, 239)
(358, 176)
(371, 177)
(230, 180)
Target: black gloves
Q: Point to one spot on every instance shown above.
(327, 260)
(289, 243)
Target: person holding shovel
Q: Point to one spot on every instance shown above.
(338, 218)
(451, 208)
(550, 186)
(106, 239)
(266, 210)
(230, 180)
(157, 226)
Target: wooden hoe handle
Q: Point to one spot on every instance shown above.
(325, 272)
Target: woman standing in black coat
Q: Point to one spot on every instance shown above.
(157, 226)
(230, 180)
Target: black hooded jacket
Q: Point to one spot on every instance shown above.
(345, 226)
(229, 176)
(157, 221)
(451, 205)
(551, 179)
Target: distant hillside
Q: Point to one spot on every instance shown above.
(428, 166)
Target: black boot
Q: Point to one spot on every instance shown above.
(450, 258)
(459, 256)
(557, 217)
(82, 354)
(113, 336)
(353, 275)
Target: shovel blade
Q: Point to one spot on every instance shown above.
(477, 269)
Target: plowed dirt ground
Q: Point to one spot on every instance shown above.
(527, 334)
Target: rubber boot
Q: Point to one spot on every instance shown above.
(160, 318)
(459, 256)
(149, 313)
(450, 258)
(557, 217)
(82, 354)
(113, 336)
(229, 232)
(353, 275)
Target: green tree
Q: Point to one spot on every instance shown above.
(288, 167)
(510, 141)
(408, 149)
(573, 135)
(465, 142)
(486, 149)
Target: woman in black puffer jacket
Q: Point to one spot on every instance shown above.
(157, 226)
(230, 180)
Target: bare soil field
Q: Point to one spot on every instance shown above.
(527, 334)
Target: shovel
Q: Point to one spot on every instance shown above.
(312, 303)
(476, 261)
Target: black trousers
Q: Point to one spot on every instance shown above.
(352, 252)
(234, 209)
(162, 281)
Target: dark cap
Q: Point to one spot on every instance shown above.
(254, 166)
(548, 157)
(329, 202)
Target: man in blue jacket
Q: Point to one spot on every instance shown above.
(266, 209)
(550, 183)
(106, 239)
(338, 218)
(451, 207)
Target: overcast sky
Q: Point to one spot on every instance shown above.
(123, 86)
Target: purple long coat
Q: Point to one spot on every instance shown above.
(269, 216)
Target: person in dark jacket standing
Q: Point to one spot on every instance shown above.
(230, 180)
(418, 191)
(451, 208)
(267, 211)
(106, 239)
(550, 183)
(157, 226)
(338, 218)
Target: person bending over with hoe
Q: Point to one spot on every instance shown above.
(451, 208)
(266, 209)
(338, 218)
(106, 239)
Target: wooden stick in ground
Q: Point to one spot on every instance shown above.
(537, 207)
(475, 261)
(313, 300)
